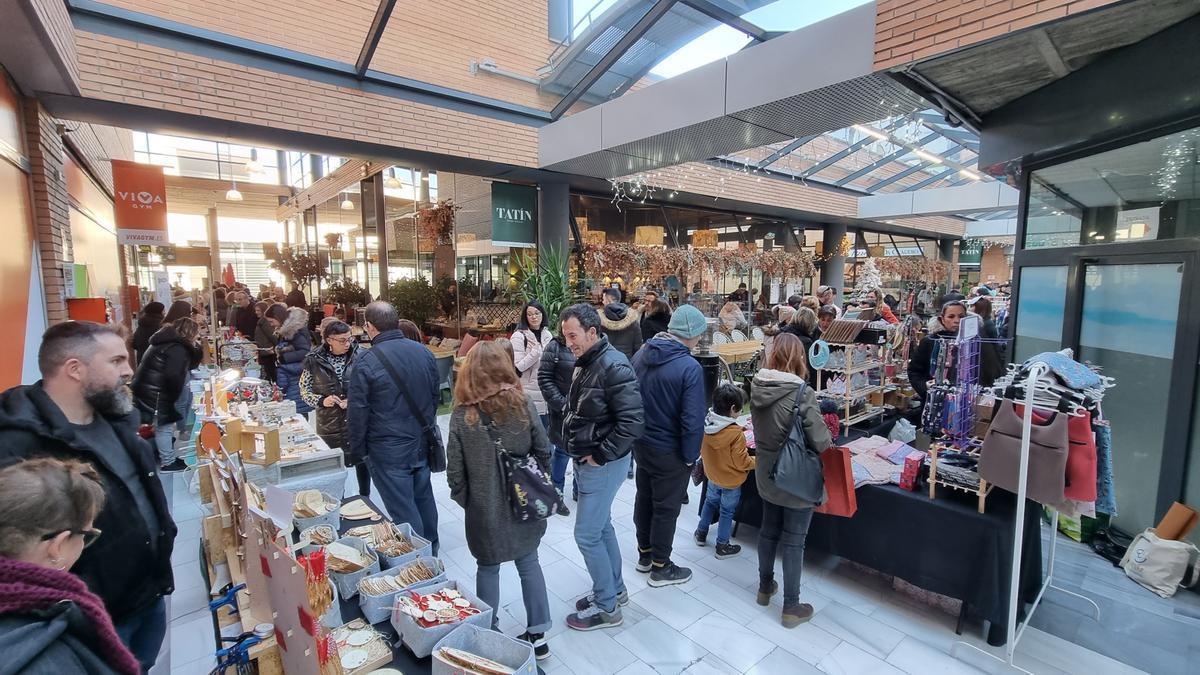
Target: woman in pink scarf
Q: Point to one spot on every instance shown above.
(49, 621)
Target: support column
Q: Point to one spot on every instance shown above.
(214, 247)
(554, 216)
(946, 252)
(833, 270)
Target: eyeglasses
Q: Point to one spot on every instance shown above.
(89, 536)
(341, 340)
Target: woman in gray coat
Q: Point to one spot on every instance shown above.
(488, 391)
(785, 517)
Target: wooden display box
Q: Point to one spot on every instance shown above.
(232, 440)
(259, 445)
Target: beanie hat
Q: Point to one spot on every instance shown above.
(687, 322)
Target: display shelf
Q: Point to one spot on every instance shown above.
(863, 416)
(870, 364)
(857, 393)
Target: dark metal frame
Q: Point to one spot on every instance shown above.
(658, 11)
(786, 150)
(374, 34)
(1185, 251)
(729, 19)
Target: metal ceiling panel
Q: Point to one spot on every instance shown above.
(711, 138)
(861, 100)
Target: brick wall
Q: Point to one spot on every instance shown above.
(908, 30)
(119, 70)
(51, 204)
(993, 266)
(57, 23)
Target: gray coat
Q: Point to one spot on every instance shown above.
(473, 472)
(772, 408)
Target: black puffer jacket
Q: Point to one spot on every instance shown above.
(654, 324)
(621, 325)
(604, 410)
(331, 422)
(554, 379)
(147, 326)
(122, 567)
(162, 375)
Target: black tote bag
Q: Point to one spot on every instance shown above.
(798, 470)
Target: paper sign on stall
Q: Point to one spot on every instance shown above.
(279, 506)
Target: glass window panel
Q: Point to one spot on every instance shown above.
(1040, 309)
(1144, 191)
(1134, 341)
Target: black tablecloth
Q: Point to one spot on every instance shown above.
(943, 545)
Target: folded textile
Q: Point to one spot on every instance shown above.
(868, 444)
(895, 452)
(879, 471)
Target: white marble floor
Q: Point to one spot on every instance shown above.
(709, 625)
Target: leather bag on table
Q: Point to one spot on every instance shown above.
(839, 483)
(1000, 457)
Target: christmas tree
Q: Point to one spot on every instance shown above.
(869, 279)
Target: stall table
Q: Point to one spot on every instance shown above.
(943, 545)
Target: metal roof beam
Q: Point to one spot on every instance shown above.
(374, 34)
(850, 149)
(905, 173)
(785, 151)
(924, 140)
(728, 18)
(610, 59)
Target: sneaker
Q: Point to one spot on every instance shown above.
(590, 599)
(540, 649)
(594, 618)
(701, 538)
(563, 510)
(727, 550)
(794, 615)
(766, 590)
(669, 574)
(174, 467)
(644, 564)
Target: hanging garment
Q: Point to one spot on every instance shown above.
(1081, 455)
(1069, 371)
(1000, 456)
(1106, 494)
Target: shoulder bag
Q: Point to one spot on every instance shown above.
(798, 470)
(1000, 456)
(435, 451)
(1160, 565)
(531, 493)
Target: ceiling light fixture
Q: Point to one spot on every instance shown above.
(347, 205)
(928, 157)
(391, 181)
(232, 194)
(870, 131)
(969, 174)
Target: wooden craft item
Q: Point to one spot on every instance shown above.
(843, 331)
(472, 663)
(210, 440)
(260, 445)
(405, 577)
(358, 510)
(232, 438)
(345, 559)
(311, 503)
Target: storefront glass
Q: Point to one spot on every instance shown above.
(1140, 192)
(1040, 309)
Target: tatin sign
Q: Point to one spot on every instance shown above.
(140, 203)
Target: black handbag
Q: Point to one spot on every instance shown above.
(798, 471)
(435, 451)
(532, 495)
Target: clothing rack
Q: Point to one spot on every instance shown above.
(1038, 372)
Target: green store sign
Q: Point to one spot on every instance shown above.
(970, 252)
(514, 215)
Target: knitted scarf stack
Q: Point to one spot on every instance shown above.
(25, 587)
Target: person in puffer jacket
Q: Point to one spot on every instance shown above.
(621, 324)
(604, 418)
(295, 342)
(554, 380)
(673, 397)
(785, 519)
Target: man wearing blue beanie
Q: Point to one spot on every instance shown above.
(672, 386)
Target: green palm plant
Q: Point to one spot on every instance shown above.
(545, 278)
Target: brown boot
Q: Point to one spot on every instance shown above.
(794, 615)
(765, 590)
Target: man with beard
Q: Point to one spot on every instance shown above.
(82, 409)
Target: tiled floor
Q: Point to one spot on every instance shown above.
(712, 624)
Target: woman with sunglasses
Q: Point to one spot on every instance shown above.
(323, 385)
(49, 621)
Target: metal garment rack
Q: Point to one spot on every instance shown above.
(1036, 372)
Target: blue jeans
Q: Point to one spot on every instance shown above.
(406, 493)
(533, 592)
(785, 528)
(164, 434)
(559, 460)
(594, 533)
(726, 501)
(143, 633)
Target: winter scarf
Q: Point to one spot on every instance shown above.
(25, 587)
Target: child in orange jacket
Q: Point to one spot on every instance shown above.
(726, 464)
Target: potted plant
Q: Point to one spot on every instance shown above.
(414, 299)
(349, 293)
(546, 279)
(303, 268)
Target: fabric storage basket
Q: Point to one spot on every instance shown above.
(421, 548)
(332, 519)
(421, 640)
(510, 652)
(309, 548)
(347, 584)
(377, 608)
(333, 617)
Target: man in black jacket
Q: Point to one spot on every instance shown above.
(554, 379)
(384, 430)
(621, 324)
(82, 409)
(603, 418)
